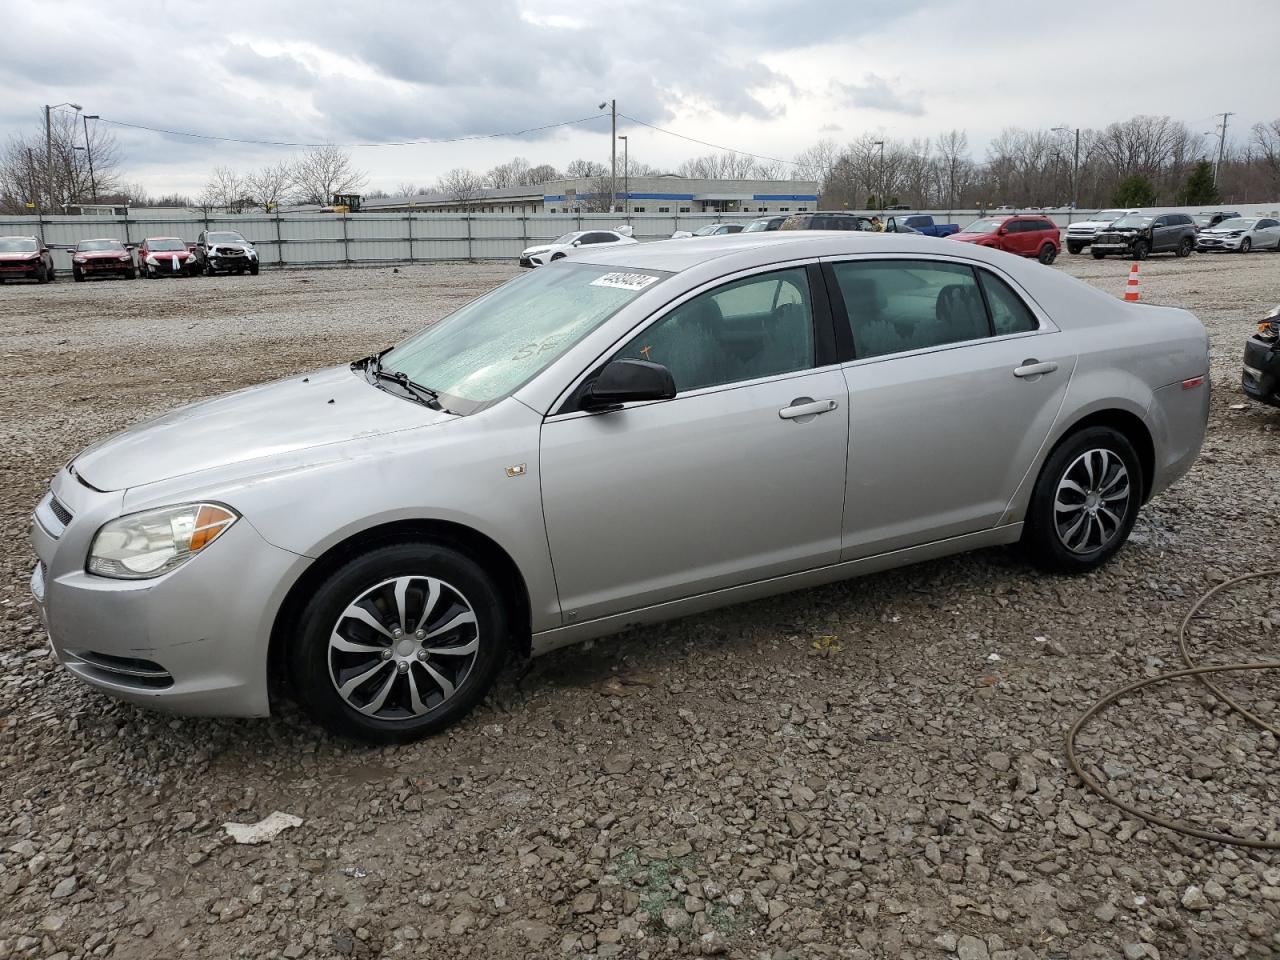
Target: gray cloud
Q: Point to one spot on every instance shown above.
(878, 93)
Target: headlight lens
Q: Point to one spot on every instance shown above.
(146, 545)
(152, 260)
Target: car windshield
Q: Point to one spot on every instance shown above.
(756, 226)
(17, 245)
(983, 226)
(707, 231)
(160, 245)
(1133, 220)
(496, 343)
(568, 237)
(1109, 215)
(1236, 223)
(226, 237)
(88, 246)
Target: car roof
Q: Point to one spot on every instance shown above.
(744, 250)
(149, 239)
(99, 240)
(17, 236)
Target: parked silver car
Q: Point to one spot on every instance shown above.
(626, 436)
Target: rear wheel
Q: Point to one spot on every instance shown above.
(1048, 253)
(1184, 248)
(1141, 250)
(1085, 501)
(1246, 245)
(399, 642)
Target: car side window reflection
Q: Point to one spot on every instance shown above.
(760, 326)
(1008, 313)
(898, 305)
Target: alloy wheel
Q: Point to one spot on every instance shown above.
(403, 647)
(1092, 501)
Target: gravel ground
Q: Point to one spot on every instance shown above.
(871, 769)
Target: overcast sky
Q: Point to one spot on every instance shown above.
(765, 76)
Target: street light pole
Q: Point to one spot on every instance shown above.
(626, 176)
(613, 151)
(88, 148)
(48, 146)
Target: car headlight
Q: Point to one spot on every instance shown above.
(124, 257)
(78, 259)
(151, 259)
(146, 545)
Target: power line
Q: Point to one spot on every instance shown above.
(706, 143)
(391, 143)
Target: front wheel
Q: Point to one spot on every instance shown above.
(77, 275)
(1141, 250)
(44, 275)
(1245, 245)
(1048, 253)
(253, 270)
(208, 269)
(1085, 501)
(399, 642)
(131, 274)
(1075, 247)
(1184, 248)
(555, 257)
(1098, 254)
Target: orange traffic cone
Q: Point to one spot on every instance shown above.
(1131, 294)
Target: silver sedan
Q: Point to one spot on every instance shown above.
(629, 435)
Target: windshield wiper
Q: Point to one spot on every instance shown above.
(372, 366)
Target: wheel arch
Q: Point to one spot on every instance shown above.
(1134, 429)
(481, 548)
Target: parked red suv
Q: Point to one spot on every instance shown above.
(1027, 236)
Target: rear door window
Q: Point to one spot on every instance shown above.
(1008, 313)
(893, 306)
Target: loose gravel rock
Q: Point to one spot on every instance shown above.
(723, 785)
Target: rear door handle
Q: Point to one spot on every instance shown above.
(806, 408)
(1034, 368)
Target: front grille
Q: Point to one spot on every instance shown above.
(125, 671)
(60, 510)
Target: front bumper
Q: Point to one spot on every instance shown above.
(1205, 244)
(104, 266)
(194, 641)
(1261, 376)
(231, 262)
(172, 266)
(19, 270)
(1080, 239)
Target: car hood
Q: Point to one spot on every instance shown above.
(18, 256)
(170, 253)
(970, 237)
(101, 254)
(313, 410)
(1089, 225)
(232, 245)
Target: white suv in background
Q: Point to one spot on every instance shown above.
(1080, 235)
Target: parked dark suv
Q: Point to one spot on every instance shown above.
(1140, 234)
(827, 220)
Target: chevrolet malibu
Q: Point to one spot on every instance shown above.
(631, 434)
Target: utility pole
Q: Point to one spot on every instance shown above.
(88, 148)
(626, 175)
(883, 201)
(1222, 144)
(613, 151)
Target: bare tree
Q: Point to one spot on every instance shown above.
(60, 175)
(816, 162)
(719, 166)
(268, 187)
(957, 168)
(1265, 137)
(317, 175)
(579, 169)
(461, 184)
(513, 173)
(225, 189)
(407, 188)
(542, 173)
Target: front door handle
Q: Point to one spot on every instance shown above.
(1034, 368)
(806, 408)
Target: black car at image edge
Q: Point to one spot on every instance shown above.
(1261, 379)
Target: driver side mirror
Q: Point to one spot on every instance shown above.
(628, 381)
(1002, 231)
(577, 243)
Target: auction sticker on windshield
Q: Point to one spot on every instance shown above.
(624, 281)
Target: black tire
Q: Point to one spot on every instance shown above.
(1098, 254)
(44, 274)
(76, 275)
(208, 269)
(309, 648)
(1246, 245)
(556, 256)
(1042, 538)
(1184, 248)
(253, 270)
(1075, 247)
(1141, 250)
(1048, 253)
(132, 274)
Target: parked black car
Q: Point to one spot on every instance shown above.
(225, 251)
(1212, 218)
(827, 220)
(1141, 234)
(25, 258)
(1261, 379)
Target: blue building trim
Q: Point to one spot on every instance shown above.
(785, 196)
(661, 196)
